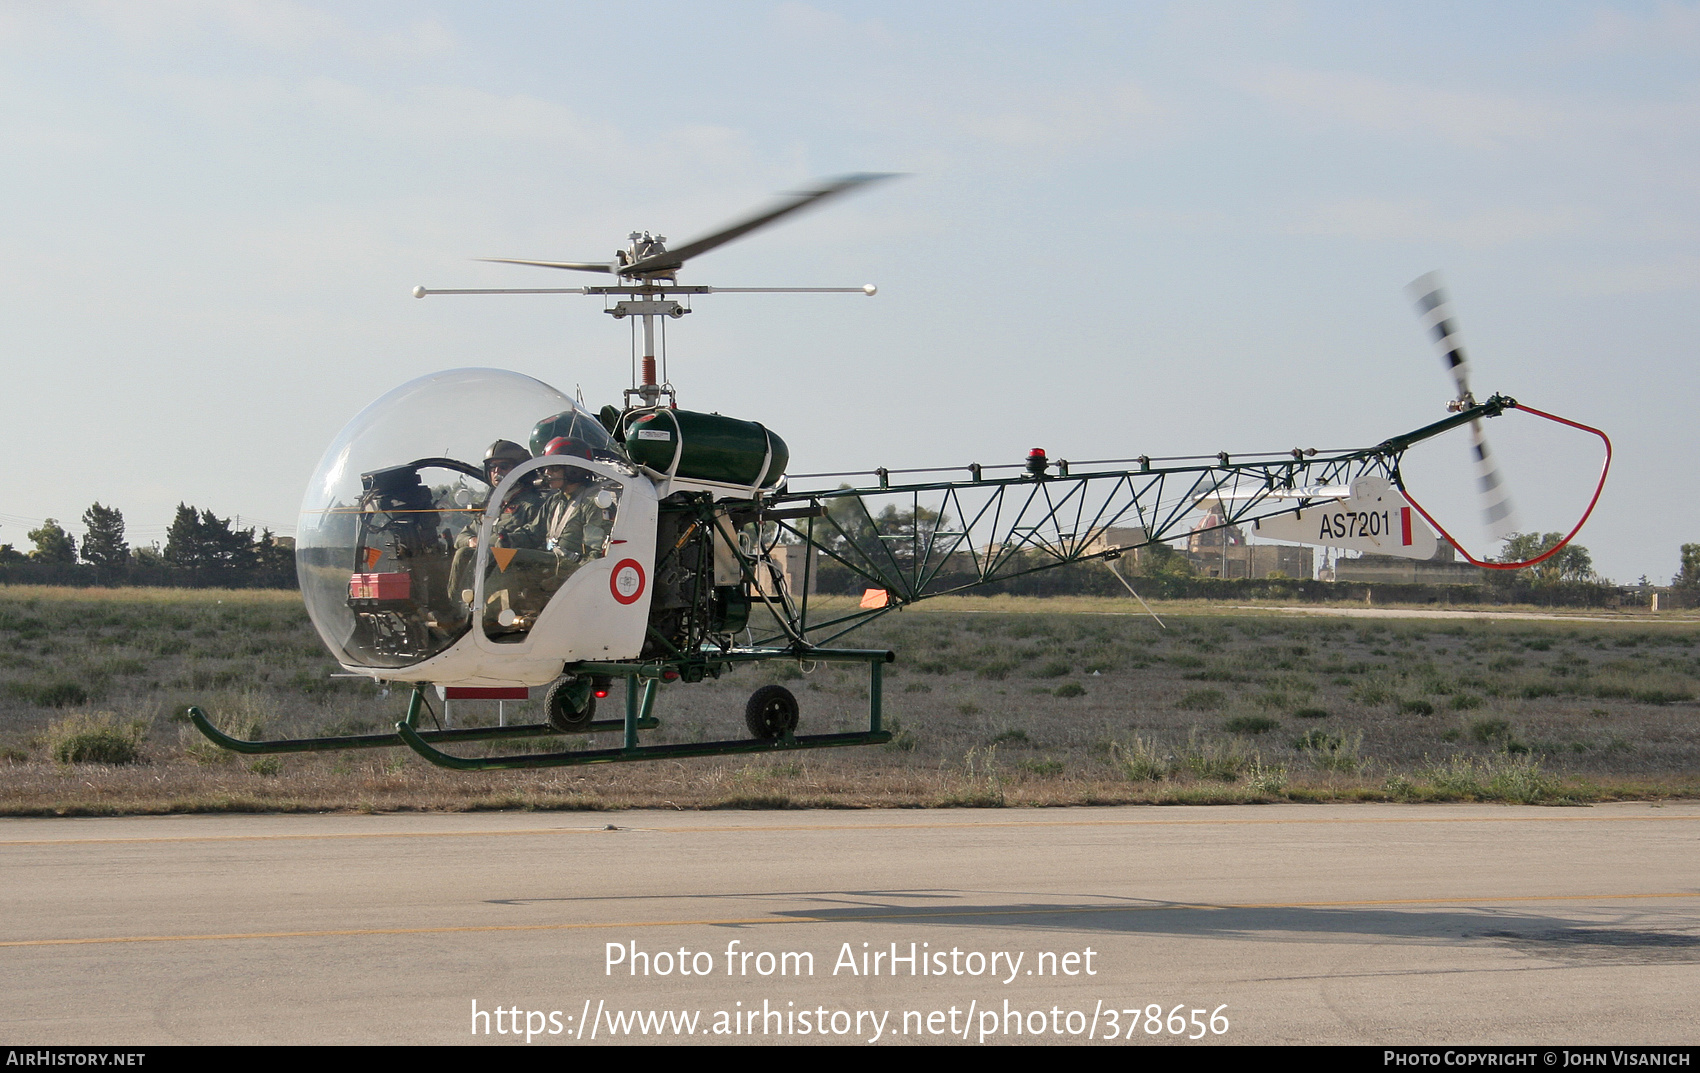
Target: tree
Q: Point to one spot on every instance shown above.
(913, 548)
(205, 544)
(1160, 560)
(53, 544)
(183, 540)
(1572, 564)
(103, 544)
(911, 535)
(230, 549)
(273, 558)
(1688, 574)
(876, 541)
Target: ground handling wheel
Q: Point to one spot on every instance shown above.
(570, 704)
(771, 712)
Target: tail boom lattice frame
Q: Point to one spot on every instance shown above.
(948, 537)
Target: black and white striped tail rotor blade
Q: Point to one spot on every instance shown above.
(1434, 306)
(1499, 514)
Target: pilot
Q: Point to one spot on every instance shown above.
(567, 529)
(574, 526)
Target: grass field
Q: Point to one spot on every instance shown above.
(999, 701)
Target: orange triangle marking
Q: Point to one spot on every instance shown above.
(372, 557)
(875, 598)
(503, 557)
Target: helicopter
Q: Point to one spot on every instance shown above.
(479, 531)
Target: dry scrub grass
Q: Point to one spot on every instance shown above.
(994, 702)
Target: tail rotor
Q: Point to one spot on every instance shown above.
(1434, 306)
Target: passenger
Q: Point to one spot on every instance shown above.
(519, 525)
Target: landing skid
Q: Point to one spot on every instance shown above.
(386, 741)
(640, 701)
(641, 682)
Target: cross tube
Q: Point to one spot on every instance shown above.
(641, 682)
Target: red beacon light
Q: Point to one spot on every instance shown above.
(1037, 463)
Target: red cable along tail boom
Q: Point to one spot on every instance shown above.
(1605, 468)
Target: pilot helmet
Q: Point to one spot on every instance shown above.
(566, 445)
(506, 453)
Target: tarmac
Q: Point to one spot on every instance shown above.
(1366, 924)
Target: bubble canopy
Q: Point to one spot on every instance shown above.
(390, 496)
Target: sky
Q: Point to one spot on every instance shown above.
(1122, 229)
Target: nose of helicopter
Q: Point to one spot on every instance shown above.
(394, 495)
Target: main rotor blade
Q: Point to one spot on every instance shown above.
(802, 199)
(577, 266)
(1434, 306)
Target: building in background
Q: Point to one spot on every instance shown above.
(790, 559)
(1443, 568)
(1217, 550)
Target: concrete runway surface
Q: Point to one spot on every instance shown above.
(1371, 924)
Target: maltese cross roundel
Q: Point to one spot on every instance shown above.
(627, 581)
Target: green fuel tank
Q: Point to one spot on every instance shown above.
(704, 447)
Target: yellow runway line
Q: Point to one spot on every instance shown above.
(1565, 817)
(919, 914)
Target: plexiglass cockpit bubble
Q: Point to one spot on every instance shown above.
(400, 489)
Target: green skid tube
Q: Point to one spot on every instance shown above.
(642, 752)
(384, 741)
